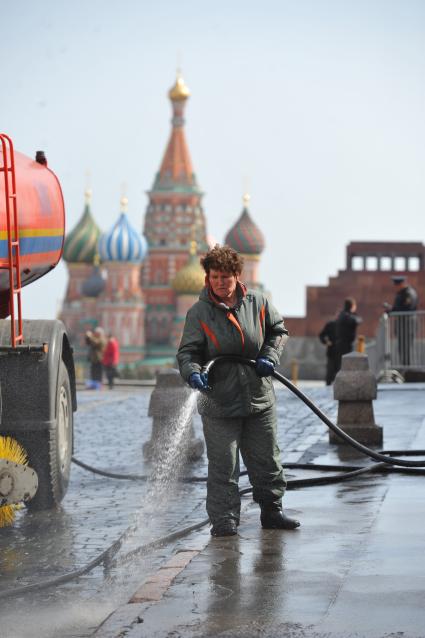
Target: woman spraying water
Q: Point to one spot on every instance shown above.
(238, 412)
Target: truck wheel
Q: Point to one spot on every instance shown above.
(50, 455)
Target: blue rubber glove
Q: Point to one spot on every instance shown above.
(199, 381)
(264, 367)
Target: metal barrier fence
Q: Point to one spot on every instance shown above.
(399, 345)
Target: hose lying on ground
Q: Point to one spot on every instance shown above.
(104, 558)
(378, 456)
(385, 458)
(346, 471)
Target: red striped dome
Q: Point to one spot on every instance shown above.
(245, 236)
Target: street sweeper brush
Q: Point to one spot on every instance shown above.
(18, 482)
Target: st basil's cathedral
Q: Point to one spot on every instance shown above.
(140, 286)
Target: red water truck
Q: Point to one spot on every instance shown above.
(37, 374)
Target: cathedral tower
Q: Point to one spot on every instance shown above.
(187, 285)
(79, 253)
(121, 306)
(174, 217)
(246, 238)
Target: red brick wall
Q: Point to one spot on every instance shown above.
(370, 289)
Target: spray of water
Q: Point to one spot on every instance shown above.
(168, 462)
(173, 446)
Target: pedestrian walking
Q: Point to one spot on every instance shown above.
(111, 358)
(405, 302)
(345, 330)
(96, 345)
(238, 411)
(328, 337)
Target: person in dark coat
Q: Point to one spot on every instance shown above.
(406, 298)
(239, 409)
(345, 330)
(328, 337)
(96, 345)
(405, 301)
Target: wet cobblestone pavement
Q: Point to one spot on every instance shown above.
(110, 429)
(354, 569)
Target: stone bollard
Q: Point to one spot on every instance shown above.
(355, 388)
(169, 394)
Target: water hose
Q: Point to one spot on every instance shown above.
(104, 558)
(346, 471)
(378, 456)
(388, 461)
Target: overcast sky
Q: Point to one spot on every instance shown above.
(317, 107)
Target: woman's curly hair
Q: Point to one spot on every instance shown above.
(222, 258)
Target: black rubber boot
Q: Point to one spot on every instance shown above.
(226, 527)
(276, 519)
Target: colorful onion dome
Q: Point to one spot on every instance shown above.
(95, 283)
(81, 243)
(191, 278)
(245, 236)
(122, 242)
(179, 91)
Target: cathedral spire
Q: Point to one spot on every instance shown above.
(179, 92)
(176, 171)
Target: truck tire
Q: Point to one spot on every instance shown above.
(50, 454)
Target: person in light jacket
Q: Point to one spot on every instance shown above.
(111, 358)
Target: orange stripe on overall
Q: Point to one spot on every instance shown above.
(210, 334)
(235, 322)
(262, 318)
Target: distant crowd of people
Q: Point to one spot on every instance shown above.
(339, 334)
(103, 355)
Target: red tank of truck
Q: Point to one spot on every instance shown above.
(41, 220)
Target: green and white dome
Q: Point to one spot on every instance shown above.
(81, 243)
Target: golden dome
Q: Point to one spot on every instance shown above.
(123, 204)
(191, 278)
(179, 91)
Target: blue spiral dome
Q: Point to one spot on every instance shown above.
(122, 242)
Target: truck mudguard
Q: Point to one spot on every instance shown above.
(29, 375)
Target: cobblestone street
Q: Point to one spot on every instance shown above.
(110, 429)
